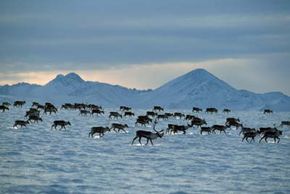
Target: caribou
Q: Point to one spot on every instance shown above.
(100, 130)
(226, 110)
(97, 111)
(220, 128)
(211, 110)
(3, 108)
(287, 123)
(233, 122)
(151, 113)
(178, 115)
(198, 122)
(247, 130)
(250, 134)
(34, 118)
(6, 104)
(268, 111)
(162, 117)
(196, 109)
(205, 129)
(176, 128)
(129, 114)
(143, 120)
(115, 115)
(119, 126)
(19, 103)
(32, 112)
(21, 123)
(34, 104)
(158, 108)
(271, 134)
(60, 123)
(125, 108)
(147, 135)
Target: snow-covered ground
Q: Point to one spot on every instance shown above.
(37, 159)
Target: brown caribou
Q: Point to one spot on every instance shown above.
(129, 114)
(97, 111)
(211, 110)
(158, 108)
(196, 109)
(178, 115)
(250, 134)
(6, 104)
(247, 129)
(3, 108)
(198, 122)
(115, 115)
(119, 126)
(34, 118)
(268, 111)
(21, 123)
(151, 113)
(220, 128)
(182, 128)
(125, 108)
(205, 129)
(143, 120)
(287, 123)
(19, 103)
(147, 135)
(233, 122)
(226, 110)
(271, 134)
(162, 117)
(100, 130)
(60, 123)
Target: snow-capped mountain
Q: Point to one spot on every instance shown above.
(196, 88)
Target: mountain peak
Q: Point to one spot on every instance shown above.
(194, 77)
(199, 74)
(73, 76)
(199, 70)
(68, 79)
(197, 82)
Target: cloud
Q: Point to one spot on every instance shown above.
(133, 35)
(97, 34)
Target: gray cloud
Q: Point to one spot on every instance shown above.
(62, 35)
(114, 33)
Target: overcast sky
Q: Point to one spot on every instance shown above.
(144, 43)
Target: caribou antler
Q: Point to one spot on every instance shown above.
(154, 124)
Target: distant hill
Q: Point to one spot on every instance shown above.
(196, 88)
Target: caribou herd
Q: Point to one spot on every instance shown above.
(152, 117)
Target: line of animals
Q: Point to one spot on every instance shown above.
(151, 117)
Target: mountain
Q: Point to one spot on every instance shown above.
(196, 88)
(203, 89)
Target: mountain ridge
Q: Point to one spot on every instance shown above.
(195, 88)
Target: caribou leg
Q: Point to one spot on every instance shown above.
(243, 139)
(147, 141)
(134, 140)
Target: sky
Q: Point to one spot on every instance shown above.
(145, 43)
